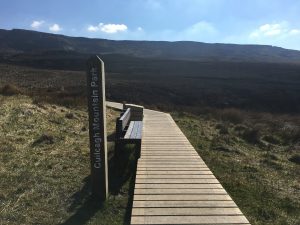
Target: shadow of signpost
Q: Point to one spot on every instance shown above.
(121, 173)
(83, 204)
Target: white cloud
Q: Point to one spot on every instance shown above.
(55, 28)
(92, 28)
(271, 30)
(36, 24)
(281, 34)
(140, 29)
(108, 28)
(294, 31)
(112, 28)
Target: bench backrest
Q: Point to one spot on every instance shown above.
(122, 122)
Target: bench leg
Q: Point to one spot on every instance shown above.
(118, 149)
(138, 150)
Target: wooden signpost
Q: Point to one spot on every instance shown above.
(97, 126)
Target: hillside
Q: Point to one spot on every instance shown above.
(18, 41)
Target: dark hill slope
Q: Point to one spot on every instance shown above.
(24, 41)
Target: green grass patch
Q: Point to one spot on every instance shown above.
(259, 173)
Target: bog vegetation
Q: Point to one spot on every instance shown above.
(243, 119)
(254, 155)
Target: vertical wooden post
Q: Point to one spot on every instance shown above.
(97, 126)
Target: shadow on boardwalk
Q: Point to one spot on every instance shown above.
(121, 177)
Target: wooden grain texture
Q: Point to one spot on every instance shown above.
(236, 219)
(175, 181)
(171, 172)
(181, 197)
(173, 169)
(178, 186)
(183, 204)
(185, 211)
(183, 191)
(173, 176)
(173, 184)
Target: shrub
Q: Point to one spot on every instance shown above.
(290, 133)
(44, 139)
(232, 115)
(295, 159)
(272, 139)
(70, 116)
(10, 89)
(252, 135)
(223, 128)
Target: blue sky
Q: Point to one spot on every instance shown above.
(271, 22)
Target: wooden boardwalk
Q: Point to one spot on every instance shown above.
(173, 184)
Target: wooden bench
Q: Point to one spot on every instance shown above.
(127, 130)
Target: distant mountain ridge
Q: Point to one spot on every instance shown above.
(19, 41)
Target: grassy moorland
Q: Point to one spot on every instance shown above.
(256, 158)
(243, 119)
(45, 166)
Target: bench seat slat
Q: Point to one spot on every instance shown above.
(129, 130)
(139, 130)
(134, 130)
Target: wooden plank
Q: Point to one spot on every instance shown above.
(170, 157)
(168, 149)
(189, 220)
(171, 172)
(183, 204)
(162, 160)
(171, 135)
(186, 191)
(145, 154)
(188, 163)
(129, 130)
(160, 136)
(167, 139)
(140, 130)
(175, 181)
(174, 169)
(169, 143)
(180, 147)
(192, 197)
(171, 153)
(124, 119)
(185, 211)
(135, 130)
(176, 186)
(173, 160)
(173, 176)
(171, 166)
